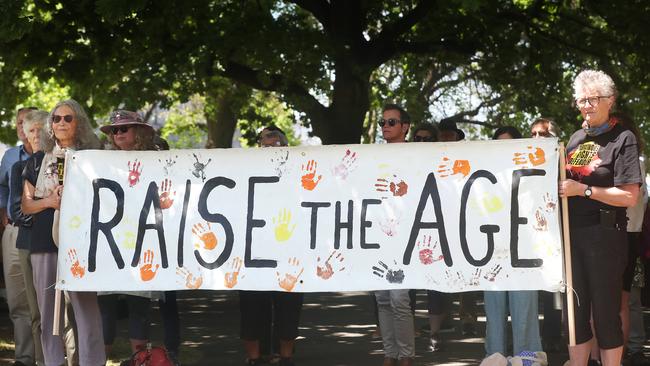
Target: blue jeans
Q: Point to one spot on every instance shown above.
(525, 323)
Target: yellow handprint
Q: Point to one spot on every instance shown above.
(282, 232)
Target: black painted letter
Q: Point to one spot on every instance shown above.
(314, 219)
(211, 184)
(253, 223)
(105, 227)
(488, 229)
(516, 220)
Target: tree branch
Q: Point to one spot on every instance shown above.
(320, 9)
(463, 116)
(392, 31)
(275, 82)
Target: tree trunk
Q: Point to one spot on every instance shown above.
(342, 122)
(221, 117)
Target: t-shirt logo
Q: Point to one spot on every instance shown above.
(584, 159)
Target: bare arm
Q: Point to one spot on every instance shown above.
(620, 196)
(30, 205)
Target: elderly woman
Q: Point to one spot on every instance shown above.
(127, 131)
(522, 304)
(604, 179)
(70, 129)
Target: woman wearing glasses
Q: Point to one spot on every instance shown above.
(127, 131)
(69, 129)
(603, 179)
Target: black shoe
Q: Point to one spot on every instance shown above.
(593, 362)
(287, 361)
(18, 363)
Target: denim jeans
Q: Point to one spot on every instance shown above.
(525, 323)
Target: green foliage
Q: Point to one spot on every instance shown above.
(265, 109)
(185, 124)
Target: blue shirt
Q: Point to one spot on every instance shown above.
(10, 157)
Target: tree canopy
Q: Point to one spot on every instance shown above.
(480, 63)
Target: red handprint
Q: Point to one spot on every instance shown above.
(146, 272)
(166, 194)
(135, 169)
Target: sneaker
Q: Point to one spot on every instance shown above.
(434, 344)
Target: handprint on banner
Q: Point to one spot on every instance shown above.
(168, 164)
(288, 280)
(282, 223)
(206, 237)
(230, 278)
(166, 194)
(332, 265)
(534, 156)
(147, 273)
(135, 169)
(549, 203)
(459, 167)
(279, 161)
(425, 251)
(454, 280)
(77, 270)
(199, 167)
(541, 224)
(191, 281)
(493, 273)
(389, 226)
(308, 179)
(431, 279)
(391, 275)
(396, 186)
(345, 166)
(476, 278)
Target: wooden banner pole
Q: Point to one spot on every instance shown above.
(568, 271)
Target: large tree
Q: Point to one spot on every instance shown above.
(330, 60)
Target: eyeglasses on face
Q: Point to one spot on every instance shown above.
(592, 101)
(56, 118)
(117, 130)
(418, 138)
(391, 122)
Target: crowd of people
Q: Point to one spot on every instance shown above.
(607, 199)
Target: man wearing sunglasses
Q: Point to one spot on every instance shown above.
(14, 279)
(394, 306)
(395, 123)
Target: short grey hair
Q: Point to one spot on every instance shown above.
(85, 138)
(34, 117)
(594, 80)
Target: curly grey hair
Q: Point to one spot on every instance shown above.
(85, 138)
(34, 117)
(594, 80)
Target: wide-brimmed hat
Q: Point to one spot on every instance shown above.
(451, 126)
(122, 117)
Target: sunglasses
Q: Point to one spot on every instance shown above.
(391, 122)
(417, 138)
(122, 129)
(68, 118)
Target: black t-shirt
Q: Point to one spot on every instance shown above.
(607, 160)
(41, 233)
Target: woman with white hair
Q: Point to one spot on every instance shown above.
(69, 129)
(603, 180)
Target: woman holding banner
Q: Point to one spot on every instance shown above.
(604, 179)
(69, 129)
(127, 131)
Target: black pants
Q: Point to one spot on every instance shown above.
(138, 316)
(598, 258)
(254, 308)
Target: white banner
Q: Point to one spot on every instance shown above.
(447, 216)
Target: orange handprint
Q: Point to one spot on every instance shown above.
(78, 271)
(328, 269)
(192, 281)
(290, 278)
(394, 184)
(146, 272)
(534, 156)
(166, 194)
(460, 167)
(309, 180)
(203, 233)
(230, 279)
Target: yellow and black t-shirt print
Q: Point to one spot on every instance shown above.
(584, 159)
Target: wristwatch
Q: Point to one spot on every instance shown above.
(588, 192)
